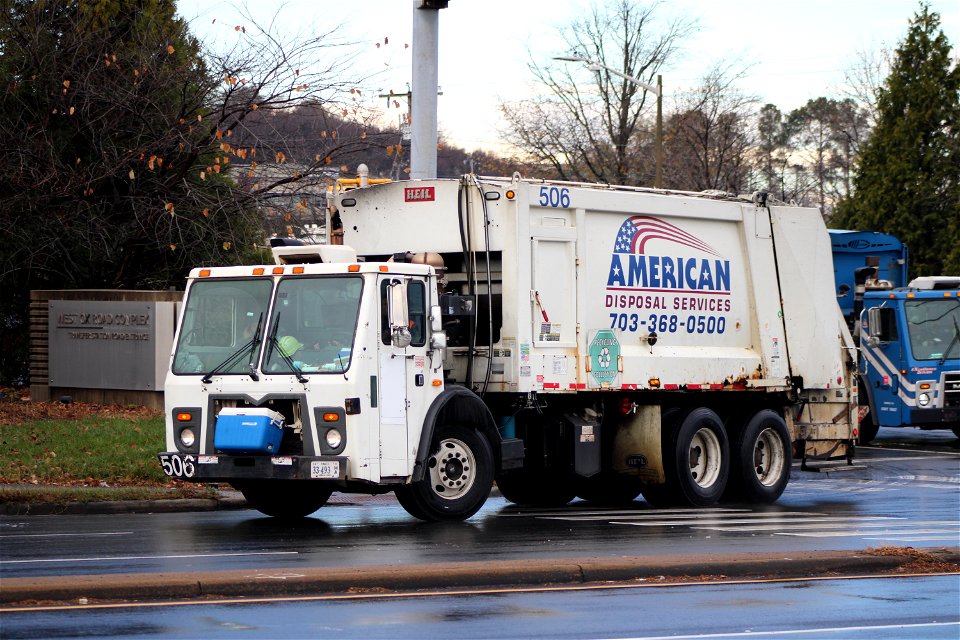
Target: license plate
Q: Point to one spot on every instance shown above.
(325, 469)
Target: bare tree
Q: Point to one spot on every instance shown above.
(597, 130)
(709, 137)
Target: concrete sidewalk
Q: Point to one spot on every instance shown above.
(498, 573)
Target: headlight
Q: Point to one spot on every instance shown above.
(923, 399)
(333, 438)
(187, 437)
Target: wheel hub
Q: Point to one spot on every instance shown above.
(451, 469)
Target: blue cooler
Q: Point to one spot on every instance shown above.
(248, 430)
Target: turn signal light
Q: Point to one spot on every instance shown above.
(184, 417)
(511, 194)
(925, 385)
(330, 417)
(436, 383)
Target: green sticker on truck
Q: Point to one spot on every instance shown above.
(604, 353)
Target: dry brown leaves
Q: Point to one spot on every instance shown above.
(14, 410)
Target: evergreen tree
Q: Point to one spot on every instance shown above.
(908, 179)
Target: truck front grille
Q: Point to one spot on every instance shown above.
(951, 390)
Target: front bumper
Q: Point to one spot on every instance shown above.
(226, 468)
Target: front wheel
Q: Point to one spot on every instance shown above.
(285, 499)
(457, 480)
(869, 428)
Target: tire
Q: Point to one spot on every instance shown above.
(285, 499)
(457, 480)
(542, 488)
(609, 488)
(762, 457)
(697, 466)
(868, 429)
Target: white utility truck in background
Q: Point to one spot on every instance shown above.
(561, 339)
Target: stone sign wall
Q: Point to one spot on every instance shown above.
(103, 346)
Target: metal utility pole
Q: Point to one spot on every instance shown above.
(423, 89)
(658, 90)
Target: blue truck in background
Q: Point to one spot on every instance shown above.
(908, 335)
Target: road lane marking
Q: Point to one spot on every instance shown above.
(684, 518)
(831, 525)
(169, 557)
(885, 520)
(843, 534)
(788, 632)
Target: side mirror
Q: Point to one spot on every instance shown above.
(436, 321)
(843, 290)
(399, 317)
(882, 324)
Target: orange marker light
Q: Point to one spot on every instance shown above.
(654, 382)
(204, 273)
(184, 417)
(436, 383)
(277, 271)
(258, 271)
(354, 268)
(384, 268)
(331, 417)
(298, 269)
(925, 385)
(511, 194)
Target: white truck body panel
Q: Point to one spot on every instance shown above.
(620, 263)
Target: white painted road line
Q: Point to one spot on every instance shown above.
(65, 535)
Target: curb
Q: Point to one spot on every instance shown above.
(498, 573)
(123, 506)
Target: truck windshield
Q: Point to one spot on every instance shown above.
(934, 327)
(220, 318)
(313, 324)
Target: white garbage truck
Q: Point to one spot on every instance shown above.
(560, 339)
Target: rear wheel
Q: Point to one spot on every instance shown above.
(696, 460)
(457, 480)
(761, 459)
(285, 499)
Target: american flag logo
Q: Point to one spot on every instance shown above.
(636, 231)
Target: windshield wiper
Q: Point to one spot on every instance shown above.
(275, 346)
(956, 337)
(234, 357)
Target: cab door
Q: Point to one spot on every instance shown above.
(401, 378)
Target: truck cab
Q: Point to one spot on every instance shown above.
(910, 357)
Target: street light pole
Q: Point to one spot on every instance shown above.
(658, 90)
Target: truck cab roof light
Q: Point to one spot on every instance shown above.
(354, 268)
(258, 271)
(204, 273)
(277, 271)
(384, 268)
(298, 269)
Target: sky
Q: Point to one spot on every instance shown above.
(794, 50)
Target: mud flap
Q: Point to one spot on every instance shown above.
(637, 448)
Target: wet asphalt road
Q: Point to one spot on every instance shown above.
(868, 609)
(904, 492)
